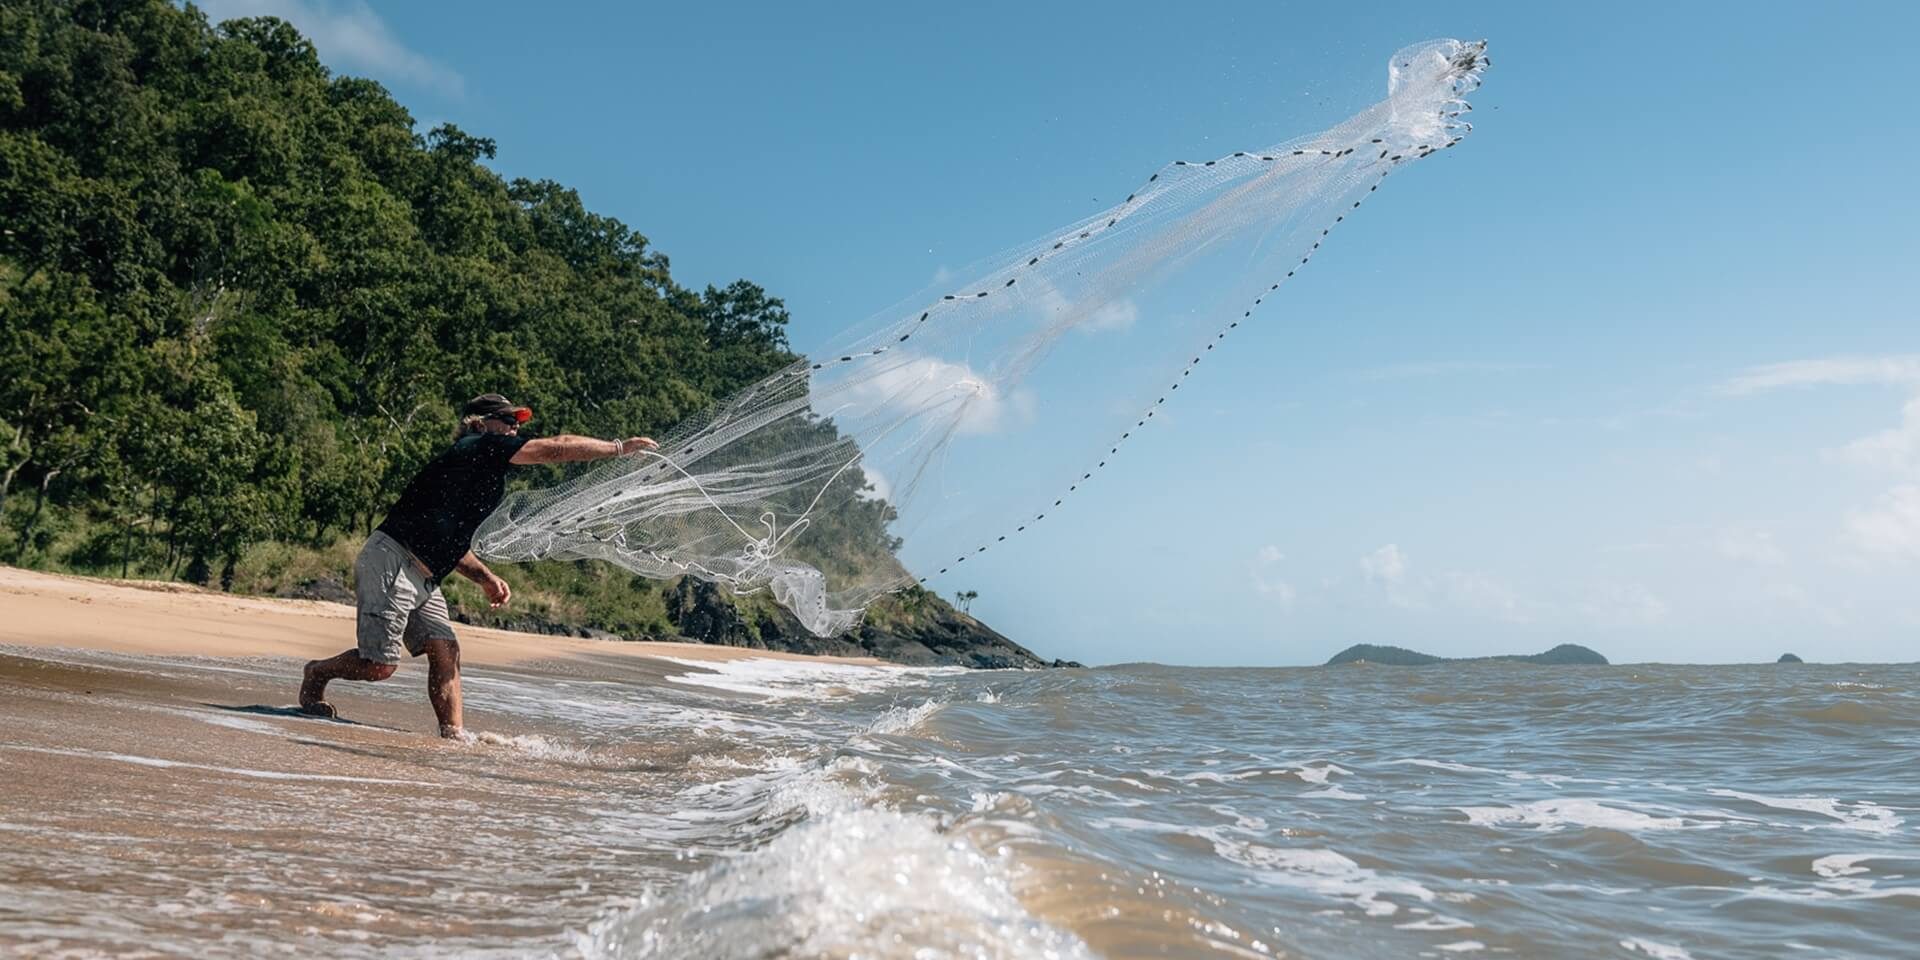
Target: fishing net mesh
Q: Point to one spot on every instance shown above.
(948, 424)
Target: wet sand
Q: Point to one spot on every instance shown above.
(155, 776)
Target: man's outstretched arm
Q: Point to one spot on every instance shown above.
(568, 448)
(498, 593)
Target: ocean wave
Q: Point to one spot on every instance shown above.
(1659, 951)
(779, 679)
(1325, 872)
(1852, 712)
(1863, 816)
(1550, 779)
(900, 720)
(533, 746)
(852, 880)
(1560, 814)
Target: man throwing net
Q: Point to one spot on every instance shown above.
(427, 535)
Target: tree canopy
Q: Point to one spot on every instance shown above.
(240, 296)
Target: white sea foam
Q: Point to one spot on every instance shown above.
(1437, 921)
(533, 745)
(1211, 776)
(1560, 814)
(1323, 871)
(852, 880)
(899, 720)
(615, 709)
(1863, 816)
(1251, 824)
(1550, 779)
(1335, 793)
(1212, 833)
(1319, 774)
(157, 762)
(1462, 946)
(1659, 951)
(768, 677)
(1841, 864)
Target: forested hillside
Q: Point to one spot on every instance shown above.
(240, 297)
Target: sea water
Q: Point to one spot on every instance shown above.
(770, 809)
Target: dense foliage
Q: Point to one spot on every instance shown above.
(240, 296)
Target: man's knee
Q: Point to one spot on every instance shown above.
(443, 652)
(377, 671)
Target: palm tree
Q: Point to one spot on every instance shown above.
(965, 598)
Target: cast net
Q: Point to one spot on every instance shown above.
(945, 426)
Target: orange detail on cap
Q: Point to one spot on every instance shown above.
(522, 415)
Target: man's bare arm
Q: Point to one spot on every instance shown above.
(470, 567)
(498, 593)
(568, 448)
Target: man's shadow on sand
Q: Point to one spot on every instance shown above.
(295, 713)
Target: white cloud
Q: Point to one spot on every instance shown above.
(1084, 314)
(943, 274)
(1889, 369)
(1487, 596)
(1118, 315)
(1385, 565)
(1750, 546)
(350, 36)
(1467, 592)
(907, 386)
(1895, 448)
(1622, 604)
(1891, 527)
(1265, 569)
(882, 490)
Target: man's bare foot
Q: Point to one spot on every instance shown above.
(451, 732)
(312, 693)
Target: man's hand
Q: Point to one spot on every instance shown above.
(498, 593)
(496, 589)
(636, 444)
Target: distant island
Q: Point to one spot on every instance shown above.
(1566, 654)
(1789, 658)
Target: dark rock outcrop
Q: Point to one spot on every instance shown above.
(1789, 658)
(1566, 654)
(521, 622)
(914, 627)
(704, 614)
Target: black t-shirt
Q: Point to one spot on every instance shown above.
(446, 501)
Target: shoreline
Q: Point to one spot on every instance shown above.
(168, 619)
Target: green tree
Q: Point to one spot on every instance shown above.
(241, 296)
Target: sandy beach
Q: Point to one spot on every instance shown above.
(161, 793)
(158, 618)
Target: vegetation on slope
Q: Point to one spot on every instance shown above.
(240, 298)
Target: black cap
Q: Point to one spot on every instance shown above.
(493, 404)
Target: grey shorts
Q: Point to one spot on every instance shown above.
(401, 608)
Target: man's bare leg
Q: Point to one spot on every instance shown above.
(349, 665)
(443, 684)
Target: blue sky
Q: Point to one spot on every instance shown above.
(1638, 366)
